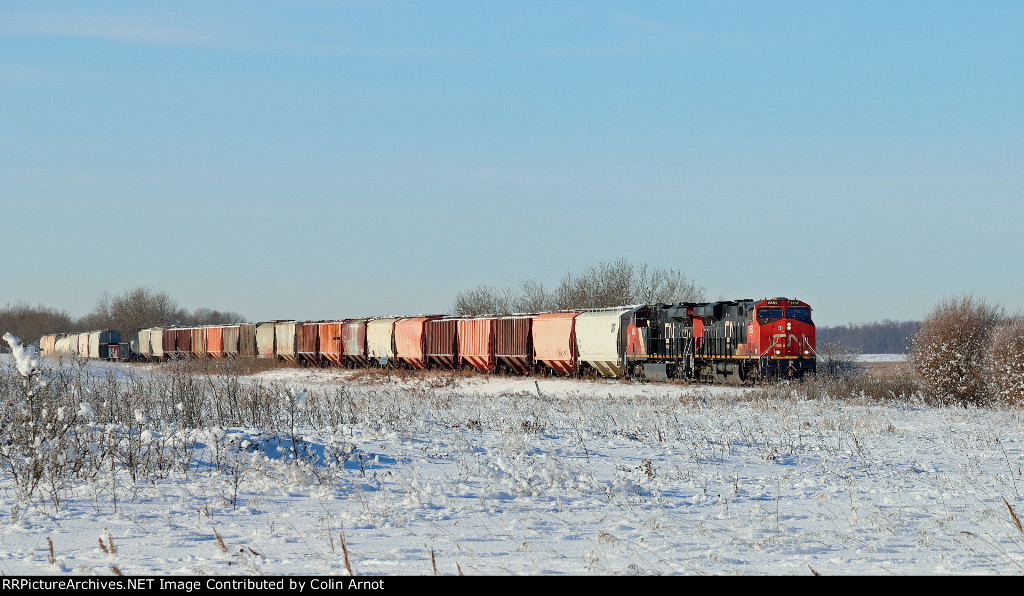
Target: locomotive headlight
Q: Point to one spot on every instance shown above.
(789, 326)
(777, 352)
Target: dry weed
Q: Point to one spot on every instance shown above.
(220, 541)
(1013, 516)
(344, 552)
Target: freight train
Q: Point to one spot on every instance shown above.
(737, 342)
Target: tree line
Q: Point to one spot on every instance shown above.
(879, 337)
(127, 312)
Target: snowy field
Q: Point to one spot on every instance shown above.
(881, 358)
(502, 476)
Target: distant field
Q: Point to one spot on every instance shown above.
(879, 365)
(882, 358)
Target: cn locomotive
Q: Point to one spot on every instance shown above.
(736, 342)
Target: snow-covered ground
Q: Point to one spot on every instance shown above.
(490, 475)
(881, 358)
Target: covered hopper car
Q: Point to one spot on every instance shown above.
(102, 345)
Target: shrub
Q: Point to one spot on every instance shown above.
(1004, 362)
(949, 349)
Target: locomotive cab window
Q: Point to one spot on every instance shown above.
(799, 314)
(768, 315)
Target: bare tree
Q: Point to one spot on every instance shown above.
(620, 282)
(532, 297)
(209, 316)
(667, 286)
(610, 283)
(605, 284)
(32, 322)
(142, 307)
(482, 300)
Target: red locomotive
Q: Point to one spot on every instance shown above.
(739, 341)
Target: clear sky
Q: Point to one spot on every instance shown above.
(333, 159)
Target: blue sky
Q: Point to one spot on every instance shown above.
(315, 160)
